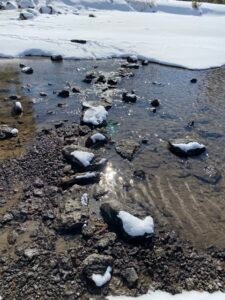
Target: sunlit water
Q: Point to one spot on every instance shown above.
(186, 195)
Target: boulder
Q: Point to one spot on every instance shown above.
(80, 179)
(127, 148)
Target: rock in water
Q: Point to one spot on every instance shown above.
(95, 115)
(155, 103)
(127, 148)
(96, 140)
(7, 132)
(17, 108)
(185, 148)
(56, 58)
(132, 59)
(129, 97)
(79, 41)
(64, 94)
(26, 70)
(81, 179)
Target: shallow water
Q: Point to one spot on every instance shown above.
(186, 195)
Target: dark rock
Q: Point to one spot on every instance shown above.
(132, 59)
(56, 58)
(64, 94)
(91, 16)
(12, 237)
(130, 276)
(7, 132)
(81, 179)
(84, 130)
(76, 89)
(129, 97)
(155, 103)
(130, 66)
(38, 183)
(38, 193)
(127, 148)
(43, 94)
(14, 97)
(145, 62)
(101, 79)
(79, 41)
(140, 174)
(193, 80)
(112, 81)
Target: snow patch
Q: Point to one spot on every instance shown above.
(134, 226)
(84, 158)
(100, 280)
(158, 295)
(84, 199)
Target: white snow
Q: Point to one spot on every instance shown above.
(18, 105)
(158, 295)
(95, 115)
(134, 226)
(84, 199)
(14, 132)
(84, 158)
(189, 146)
(97, 137)
(99, 279)
(175, 34)
(26, 4)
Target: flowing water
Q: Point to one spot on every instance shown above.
(188, 195)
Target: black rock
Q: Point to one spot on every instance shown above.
(132, 59)
(127, 148)
(64, 94)
(76, 89)
(185, 147)
(129, 97)
(193, 80)
(155, 103)
(91, 16)
(56, 58)
(26, 70)
(79, 41)
(145, 62)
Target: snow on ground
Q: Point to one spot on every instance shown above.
(175, 34)
(158, 295)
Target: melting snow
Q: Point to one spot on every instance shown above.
(84, 158)
(134, 226)
(100, 280)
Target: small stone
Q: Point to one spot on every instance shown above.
(12, 237)
(155, 103)
(193, 80)
(127, 148)
(26, 70)
(145, 62)
(107, 240)
(43, 94)
(38, 193)
(153, 109)
(14, 97)
(38, 183)
(130, 276)
(132, 59)
(78, 41)
(30, 253)
(76, 89)
(91, 16)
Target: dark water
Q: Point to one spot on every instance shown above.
(187, 195)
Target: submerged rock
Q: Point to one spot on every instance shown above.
(7, 132)
(155, 103)
(64, 94)
(185, 148)
(79, 41)
(132, 59)
(127, 148)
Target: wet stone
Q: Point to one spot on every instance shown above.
(127, 148)
(155, 103)
(129, 97)
(64, 94)
(130, 276)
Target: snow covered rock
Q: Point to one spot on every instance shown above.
(136, 227)
(81, 179)
(25, 69)
(95, 115)
(96, 140)
(47, 10)
(101, 280)
(26, 4)
(185, 148)
(78, 156)
(130, 226)
(17, 108)
(97, 268)
(127, 148)
(10, 5)
(132, 59)
(7, 132)
(26, 16)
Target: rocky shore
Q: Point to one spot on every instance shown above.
(63, 234)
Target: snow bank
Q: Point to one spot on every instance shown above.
(134, 226)
(176, 34)
(158, 295)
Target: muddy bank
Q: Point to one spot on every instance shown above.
(48, 227)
